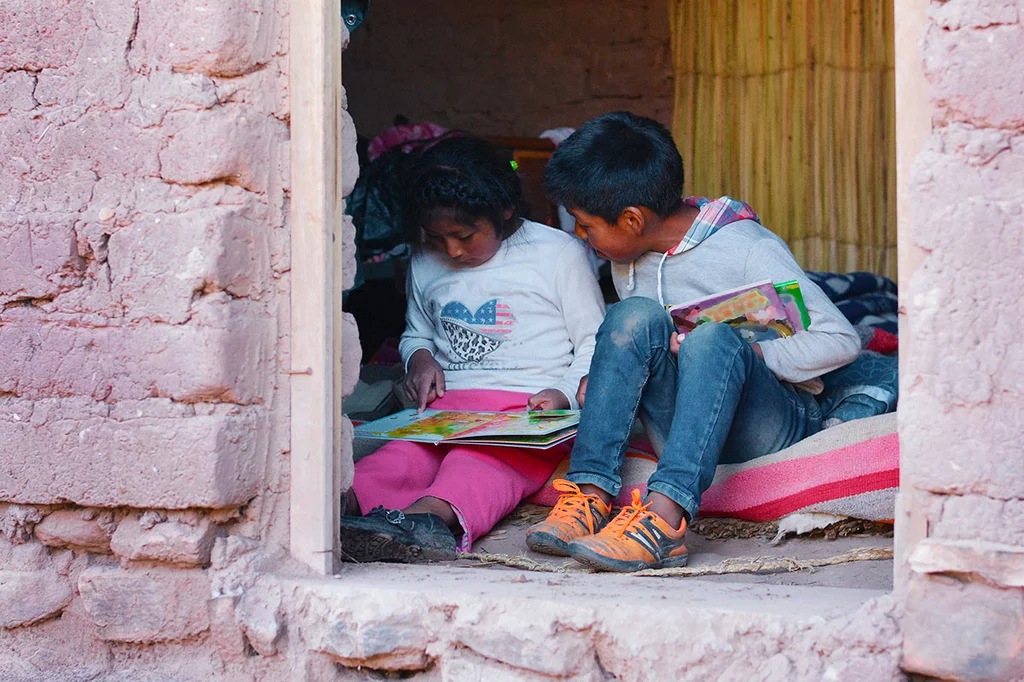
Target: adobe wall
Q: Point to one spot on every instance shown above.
(144, 330)
(962, 383)
(498, 68)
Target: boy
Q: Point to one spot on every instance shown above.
(708, 398)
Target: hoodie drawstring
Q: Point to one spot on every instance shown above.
(661, 264)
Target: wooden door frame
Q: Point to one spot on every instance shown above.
(316, 208)
(315, 42)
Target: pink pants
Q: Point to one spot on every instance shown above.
(482, 483)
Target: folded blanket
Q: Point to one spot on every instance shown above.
(870, 384)
(864, 298)
(851, 470)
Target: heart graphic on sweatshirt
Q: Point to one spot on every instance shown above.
(475, 335)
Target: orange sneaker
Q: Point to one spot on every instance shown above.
(634, 540)
(576, 515)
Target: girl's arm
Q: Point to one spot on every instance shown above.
(419, 328)
(582, 305)
(831, 341)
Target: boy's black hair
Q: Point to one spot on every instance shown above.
(614, 161)
(462, 178)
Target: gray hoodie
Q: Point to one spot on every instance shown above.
(744, 252)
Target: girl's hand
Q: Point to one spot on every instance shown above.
(548, 399)
(581, 392)
(673, 343)
(424, 382)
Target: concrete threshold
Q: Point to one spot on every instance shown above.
(453, 623)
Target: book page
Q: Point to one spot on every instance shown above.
(524, 424)
(436, 426)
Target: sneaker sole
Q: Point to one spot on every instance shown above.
(599, 562)
(366, 547)
(546, 543)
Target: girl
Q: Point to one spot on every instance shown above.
(502, 316)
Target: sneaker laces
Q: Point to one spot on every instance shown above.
(573, 504)
(630, 516)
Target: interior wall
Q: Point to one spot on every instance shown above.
(508, 68)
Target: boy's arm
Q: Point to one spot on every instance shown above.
(582, 306)
(419, 329)
(828, 344)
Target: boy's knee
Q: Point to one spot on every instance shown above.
(627, 317)
(712, 335)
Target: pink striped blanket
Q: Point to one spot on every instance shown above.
(849, 470)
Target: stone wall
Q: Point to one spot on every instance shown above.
(519, 68)
(143, 331)
(961, 420)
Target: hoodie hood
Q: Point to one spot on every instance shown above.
(712, 216)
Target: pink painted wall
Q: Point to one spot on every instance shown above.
(143, 328)
(962, 402)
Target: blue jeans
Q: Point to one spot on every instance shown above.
(716, 402)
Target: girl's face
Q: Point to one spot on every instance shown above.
(465, 245)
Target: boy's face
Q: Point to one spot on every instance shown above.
(618, 242)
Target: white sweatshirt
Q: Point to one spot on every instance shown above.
(523, 321)
(745, 252)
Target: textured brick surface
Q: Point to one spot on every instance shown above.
(27, 597)
(134, 363)
(960, 419)
(164, 263)
(969, 74)
(142, 204)
(185, 542)
(143, 322)
(75, 529)
(217, 37)
(152, 453)
(233, 144)
(981, 644)
(962, 385)
(152, 605)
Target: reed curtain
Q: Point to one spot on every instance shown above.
(790, 106)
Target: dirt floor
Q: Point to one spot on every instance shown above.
(716, 546)
(739, 544)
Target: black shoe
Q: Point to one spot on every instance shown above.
(392, 535)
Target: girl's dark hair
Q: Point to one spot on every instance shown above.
(614, 161)
(464, 179)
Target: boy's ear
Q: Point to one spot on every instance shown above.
(631, 219)
(508, 213)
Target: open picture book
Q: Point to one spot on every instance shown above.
(760, 312)
(516, 429)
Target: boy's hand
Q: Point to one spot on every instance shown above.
(548, 399)
(581, 392)
(673, 343)
(424, 382)
(676, 339)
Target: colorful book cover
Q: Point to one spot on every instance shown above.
(755, 310)
(520, 429)
(791, 296)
